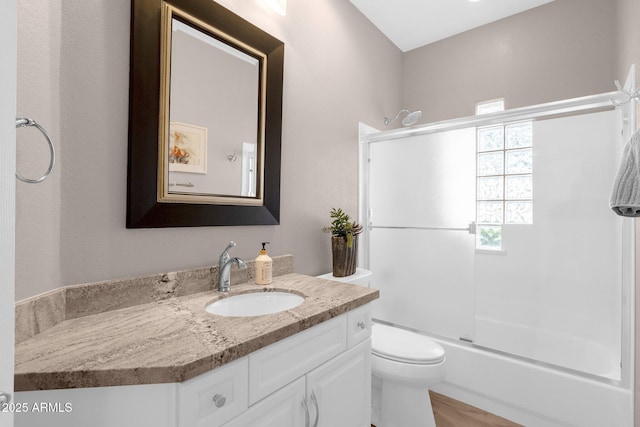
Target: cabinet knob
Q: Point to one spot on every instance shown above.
(5, 397)
(219, 400)
(362, 325)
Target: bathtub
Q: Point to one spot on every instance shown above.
(552, 347)
(530, 394)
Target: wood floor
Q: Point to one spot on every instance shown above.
(452, 413)
(449, 412)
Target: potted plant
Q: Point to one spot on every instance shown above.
(344, 242)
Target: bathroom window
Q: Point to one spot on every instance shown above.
(487, 107)
(504, 180)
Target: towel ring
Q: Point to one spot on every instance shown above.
(24, 122)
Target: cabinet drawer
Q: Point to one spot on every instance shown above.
(214, 398)
(358, 325)
(279, 364)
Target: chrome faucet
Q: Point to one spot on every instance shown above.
(224, 268)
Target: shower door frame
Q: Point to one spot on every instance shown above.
(582, 105)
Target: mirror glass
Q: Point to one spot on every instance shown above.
(205, 117)
(212, 144)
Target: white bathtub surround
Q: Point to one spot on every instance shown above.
(550, 314)
(550, 347)
(530, 394)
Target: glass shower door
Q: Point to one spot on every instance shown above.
(554, 294)
(421, 202)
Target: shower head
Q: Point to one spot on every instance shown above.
(410, 118)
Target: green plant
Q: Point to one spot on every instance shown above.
(490, 237)
(341, 225)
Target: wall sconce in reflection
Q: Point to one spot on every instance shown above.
(279, 6)
(233, 156)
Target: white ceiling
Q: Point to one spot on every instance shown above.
(413, 23)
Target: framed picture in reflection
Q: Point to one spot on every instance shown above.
(187, 148)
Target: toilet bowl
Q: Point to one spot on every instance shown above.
(407, 365)
(404, 365)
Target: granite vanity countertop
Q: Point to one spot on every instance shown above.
(171, 340)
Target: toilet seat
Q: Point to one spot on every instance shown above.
(404, 346)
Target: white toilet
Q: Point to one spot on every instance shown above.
(404, 365)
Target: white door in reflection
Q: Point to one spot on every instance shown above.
(249, 164)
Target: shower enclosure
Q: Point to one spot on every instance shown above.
(494, 235)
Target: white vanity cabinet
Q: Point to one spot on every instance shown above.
(320, 377)
(335, 394)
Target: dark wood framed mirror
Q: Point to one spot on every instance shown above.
(205, 117)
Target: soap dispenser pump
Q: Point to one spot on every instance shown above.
(264, 267)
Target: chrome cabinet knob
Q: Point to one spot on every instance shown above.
(362, 325)
(219, 400)
(5, 397)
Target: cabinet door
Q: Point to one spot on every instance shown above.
(278, 364)
(339, 392)
(284, 408)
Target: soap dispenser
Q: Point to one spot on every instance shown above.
(264, 267)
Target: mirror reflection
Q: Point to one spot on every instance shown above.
(214, 141)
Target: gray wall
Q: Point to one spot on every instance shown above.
(38, 207)
(627, 38)
(73, 67)
(560, 50)
(73, 70)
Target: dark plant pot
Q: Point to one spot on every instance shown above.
(344, 258)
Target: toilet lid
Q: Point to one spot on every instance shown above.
(404, 346)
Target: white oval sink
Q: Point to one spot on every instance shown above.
(254, 304)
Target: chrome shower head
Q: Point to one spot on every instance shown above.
(408, 120)
(411, 118)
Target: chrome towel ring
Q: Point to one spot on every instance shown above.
(24, 122)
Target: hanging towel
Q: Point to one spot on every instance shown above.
(625, 195)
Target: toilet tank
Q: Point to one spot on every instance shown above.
(360, 277)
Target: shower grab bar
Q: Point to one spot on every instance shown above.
(471, 229)
(24, 122)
